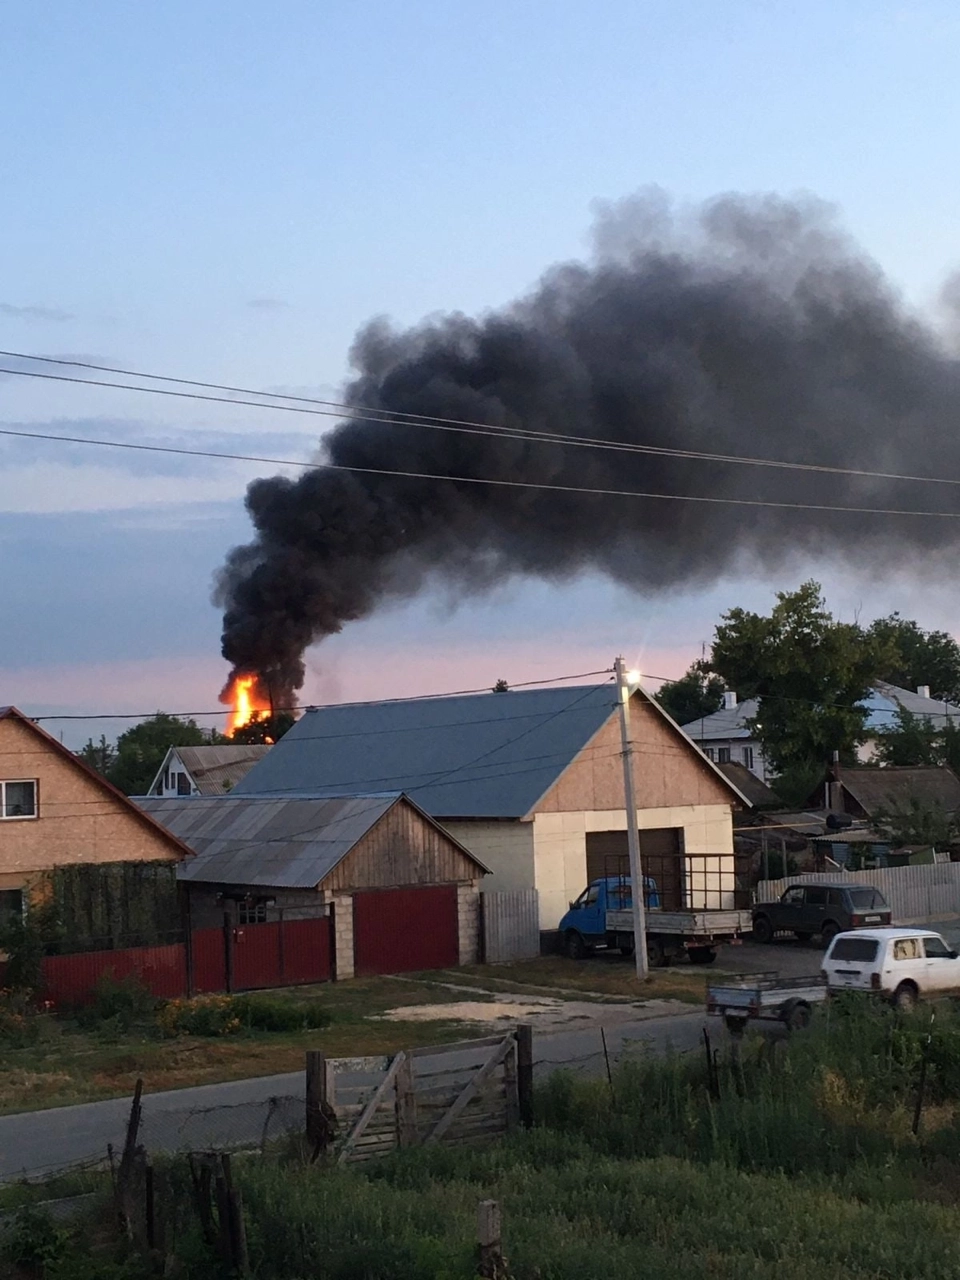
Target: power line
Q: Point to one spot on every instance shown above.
(390, 417)
(585, 491)
(417, 697)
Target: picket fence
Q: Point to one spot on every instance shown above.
(917, 895)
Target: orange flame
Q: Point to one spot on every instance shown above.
(247, 702)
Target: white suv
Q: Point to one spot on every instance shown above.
(901, 964)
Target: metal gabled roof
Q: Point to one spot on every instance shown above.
(474, 756)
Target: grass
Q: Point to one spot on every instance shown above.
(804, 1165)
(69, 1064)
(611, 976)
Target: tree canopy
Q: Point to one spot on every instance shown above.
(909, 657)
(808, 671)
(132, 764)
(696, 694)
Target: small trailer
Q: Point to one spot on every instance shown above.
(766, 997)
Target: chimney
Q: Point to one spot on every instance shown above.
(923, 690)
(729, 700)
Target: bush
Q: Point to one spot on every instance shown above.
(200, 1016)
(32, 1239)
(20, 1020)
(118, 1004)
(272, 1013)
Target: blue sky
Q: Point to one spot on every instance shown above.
(228, 191)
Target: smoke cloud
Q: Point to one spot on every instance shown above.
(745, 326)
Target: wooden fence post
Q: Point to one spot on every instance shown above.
(407, 1134)
(525, 1074)
(321, 1119)
(489, 1247)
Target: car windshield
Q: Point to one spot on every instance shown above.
(867, 900)
(861, 949)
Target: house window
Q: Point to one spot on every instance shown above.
(252, 913)
(723, 755)
(183, 784)
(11, 905)
(709, 753)
(748, 757)
(18, 799)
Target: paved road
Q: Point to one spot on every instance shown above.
(41, 1142)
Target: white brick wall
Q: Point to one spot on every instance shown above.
(468, 921)
(343, 934)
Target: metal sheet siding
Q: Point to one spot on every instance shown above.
(916, 894)
(511, 926)
(400, 930)
(71, 979)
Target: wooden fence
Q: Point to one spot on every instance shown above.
(917, 895)
(466, 1093)
(510, 926)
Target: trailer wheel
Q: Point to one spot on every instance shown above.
(701, 955)
(734, 1024)
(574, 945)
(656, 955)
(795, 1015)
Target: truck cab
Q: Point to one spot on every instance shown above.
(584, 927)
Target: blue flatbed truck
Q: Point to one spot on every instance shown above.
(602, 918)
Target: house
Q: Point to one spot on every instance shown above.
(864, 791)
(55, 811)
(748, 784)
(385, 886)
(726, 735)
(531, 782)
(209, 770)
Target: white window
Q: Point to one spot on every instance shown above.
(906, 949)
(18, 798)
(748, 757)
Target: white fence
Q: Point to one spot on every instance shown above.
(511, 925)
(917, 895)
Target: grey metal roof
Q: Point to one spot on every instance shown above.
(725, 723)
(217, 769)
(475, 756)
(277, 842)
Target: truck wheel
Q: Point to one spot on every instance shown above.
(795, 1015)
(701, 955)
(656, 956)
(905, 997)
(829, 932)
(627, 949)
(762, 930)
(802, 935)
(574, 945)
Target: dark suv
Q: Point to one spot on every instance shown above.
(824, 909)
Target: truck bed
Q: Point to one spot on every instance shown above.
(684, 923)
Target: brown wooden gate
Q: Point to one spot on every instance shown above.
(661, 853)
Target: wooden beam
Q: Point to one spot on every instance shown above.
(368, 1112)
(482, 1076)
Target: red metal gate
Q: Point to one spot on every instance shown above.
(398, 930)
(281, 954)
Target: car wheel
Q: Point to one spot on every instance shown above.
(656, 956)
(905, 997)
(574, 945)
(829, 932)
(762, 929)
(702, 955)
(802, 935)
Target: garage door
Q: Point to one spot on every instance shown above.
(397, 930)
(607, 855)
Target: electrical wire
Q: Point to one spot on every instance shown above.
(339, 409)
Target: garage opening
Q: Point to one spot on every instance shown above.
(400, 930)
(661, 853)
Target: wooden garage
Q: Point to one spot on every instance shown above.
(394, 890)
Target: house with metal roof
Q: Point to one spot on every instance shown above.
(531, 782)
(212, 769)
(386, 887)
(727, 737)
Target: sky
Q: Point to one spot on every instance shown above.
(227, 192)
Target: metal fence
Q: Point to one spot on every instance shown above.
(917, 895)
(510, 925)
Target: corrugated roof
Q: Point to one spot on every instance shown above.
(886, 698)
(279, 842)
(216, 769)
(749, 785)
(894, 786)
(487, 755)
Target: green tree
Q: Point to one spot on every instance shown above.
(265, 728)
(98, 755)
(140, 750)
(695, 695)
(501, 686)
(917, 822)
(808, 671)
(910, 656)
(913, 740)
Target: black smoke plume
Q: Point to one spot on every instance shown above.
(749, 327)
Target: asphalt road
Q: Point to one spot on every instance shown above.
(240, 1111)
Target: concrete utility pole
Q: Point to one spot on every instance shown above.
(633, 838)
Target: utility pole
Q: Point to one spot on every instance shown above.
(633, 838)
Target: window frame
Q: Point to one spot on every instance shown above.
(747, 756)
(249, 913)
(19, 817)
(723, 755)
